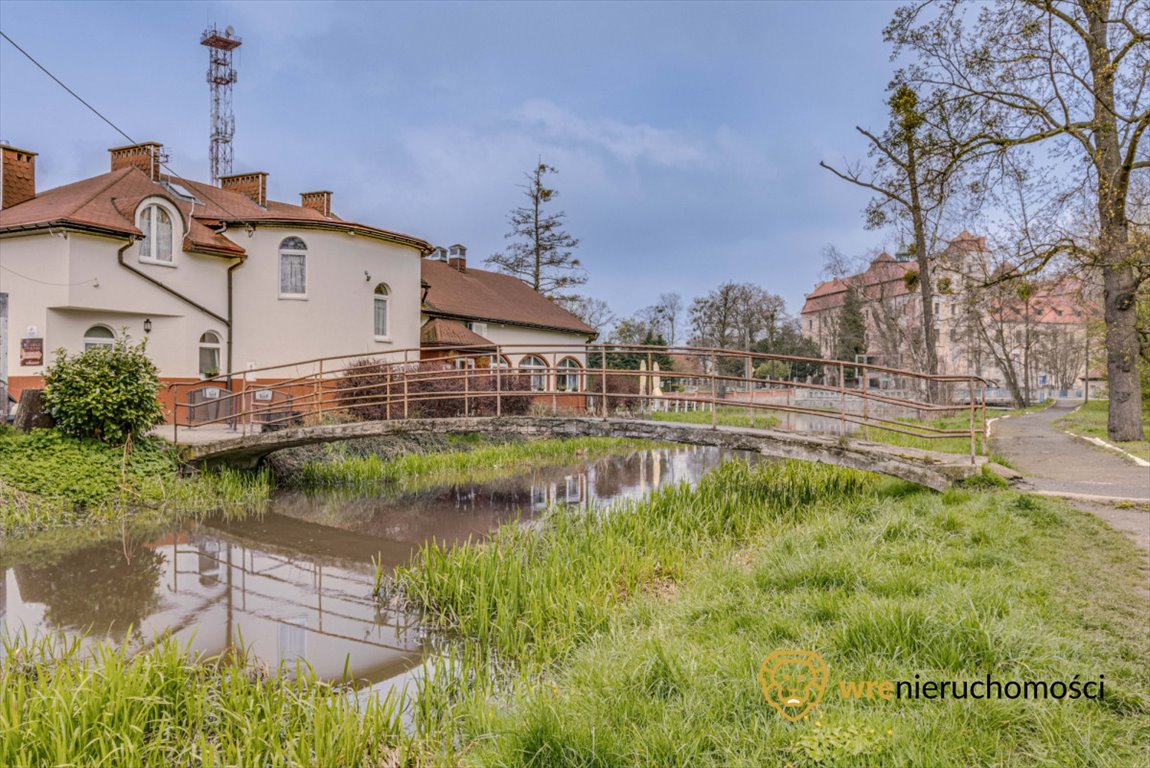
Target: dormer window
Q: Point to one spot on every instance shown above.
(155, 221)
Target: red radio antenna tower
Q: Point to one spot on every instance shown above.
(221, 76)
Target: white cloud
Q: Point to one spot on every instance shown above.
(626, 143)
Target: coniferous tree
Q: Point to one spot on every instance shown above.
(542, 251)
(850, 329)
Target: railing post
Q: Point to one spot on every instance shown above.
(466, 391)
(603, 377)
(176, 414)
(247, 420)
(553, 382)
(319, 391)
(750, 385)
(405, 384)
(842, 401)
(866, 404)
(648, 381)
(970, 396)
(498, 381)
(985, 428)
(714, 392)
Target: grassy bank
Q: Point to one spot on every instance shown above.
(960, 420)
(470, 460)
(49, 481)
(640, 631)
(1090, 421)
(728, 416)
(632, 636)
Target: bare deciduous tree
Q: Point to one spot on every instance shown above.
(915, 164)
(595, 312)
(1072, 78)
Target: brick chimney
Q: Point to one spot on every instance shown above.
(254, 185)
(457, 257)
(317, 201)
(147, 157)
(17, 176)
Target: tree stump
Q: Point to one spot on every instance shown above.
(30, 413)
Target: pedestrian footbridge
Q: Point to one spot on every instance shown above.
(787, 407)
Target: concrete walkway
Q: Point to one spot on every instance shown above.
(1090, 477)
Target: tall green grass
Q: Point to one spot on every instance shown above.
(166, 707)
(482, 462)
(536, 593)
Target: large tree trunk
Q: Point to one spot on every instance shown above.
(1120, 282)
(1122, 350)
(925, 283)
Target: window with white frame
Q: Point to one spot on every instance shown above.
(155, 221)
(293, 267)
(209, 354)
(567, 379)
(380, 302)
(99, 336)
(536, 367)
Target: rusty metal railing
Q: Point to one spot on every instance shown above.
(601, 380)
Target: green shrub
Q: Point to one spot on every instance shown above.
(108, 393)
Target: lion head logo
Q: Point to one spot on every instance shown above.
(793, 682)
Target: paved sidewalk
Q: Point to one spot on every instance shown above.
(1091, 477)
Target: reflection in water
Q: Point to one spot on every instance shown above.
(295, 584)
(102, 589)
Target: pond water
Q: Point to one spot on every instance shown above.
(295, 584)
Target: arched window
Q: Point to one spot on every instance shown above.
(537, 368)
(156, 223)
(209, 354)
(293, 267)
(380, 302)
(568, 378)
(98, 336)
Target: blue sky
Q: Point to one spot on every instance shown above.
(687, 136)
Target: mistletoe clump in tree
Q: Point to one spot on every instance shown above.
(541, 253)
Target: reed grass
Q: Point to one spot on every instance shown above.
(472, 462)
(167, 707)
(536, 593)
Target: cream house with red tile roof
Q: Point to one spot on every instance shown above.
(484, 318)
(224, 278)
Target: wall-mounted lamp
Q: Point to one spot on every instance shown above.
(148, 325)
(366, 276)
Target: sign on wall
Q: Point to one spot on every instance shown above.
(32, 351)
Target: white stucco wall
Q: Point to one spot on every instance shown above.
(336, 317)
(34, 275)
(65, 283)
(557, 345)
